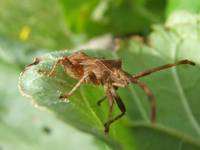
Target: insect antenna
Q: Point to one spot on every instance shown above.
(155, 69)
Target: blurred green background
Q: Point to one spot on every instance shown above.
(29, 28)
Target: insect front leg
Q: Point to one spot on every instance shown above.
(61, 61)
(74, 88)
(147, 72)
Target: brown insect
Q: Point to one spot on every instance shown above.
(110, 75)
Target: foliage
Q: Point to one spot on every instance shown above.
(177, 124)
(31, 29)
(94, 17)
(192, 6)
(34, 22)
(23, 127)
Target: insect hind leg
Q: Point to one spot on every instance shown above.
(101, 100)
(113, 96)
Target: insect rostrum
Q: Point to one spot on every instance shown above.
(109, 74)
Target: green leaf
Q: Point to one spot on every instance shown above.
(23, 127)
(17, 53)
(39, 23)
(178, 121)
(191, 5)
(95, 17)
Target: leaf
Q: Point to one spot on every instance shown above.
(192, 6)
(23, 127)
(34, 22)
(96, 17)
(17, 53)
(177, 125)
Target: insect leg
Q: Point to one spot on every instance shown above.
(101, 100)
(151, 98)
(121, 106)
(147, 72)
(95, 81)
(58, 62)
(74, 88)
(110, 102)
